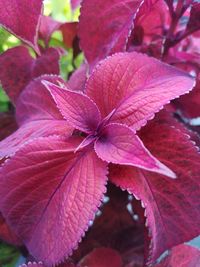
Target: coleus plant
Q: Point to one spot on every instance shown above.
(74, 137)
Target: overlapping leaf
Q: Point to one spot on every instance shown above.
(51, 214)
(17, 18)
(19, 68)
(170, 205)
(135, 87)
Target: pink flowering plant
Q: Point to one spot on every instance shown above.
(102, 169)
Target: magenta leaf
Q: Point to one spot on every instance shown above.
(16, 17)
(47, 27)
(78, 109)
(49, 194)
(119, 144)
(20, 68)
(105, 26)
(135, 87)
(171, 205)
(36, 103)
(32, 130)
(78, 78)
(102, 257)
(181, 256)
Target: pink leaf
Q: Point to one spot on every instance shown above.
(171, 205)
(119, 144)
(16, 17)
(102, 257)
(135, 87)
(19, 68)
(49, 194)
(78, 109)
(182, 256)
(75, 3)
(78, 78)
(47, 27)
(32, 130)
(105, 26)
(36, 103)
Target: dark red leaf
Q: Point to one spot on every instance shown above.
(18, 68)
(102, 257)
(105, 26)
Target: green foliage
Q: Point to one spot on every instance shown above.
(8, 255)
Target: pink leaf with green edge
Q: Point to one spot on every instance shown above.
(181, 256)
(105, 26)
(6, 234)
(102, 257)
(171, 205)
(36, 102)
(51, 194)
(78, 109)
(135, 87)
(31, 130)
(47, 27)
(119, 144)
(19, 68)
(16, 17)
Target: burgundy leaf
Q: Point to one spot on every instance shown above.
(19, 68)
(7, 125)
(105, 26)
(134, 87)
(78, 109)
(47, 27)
(182, 256)
(49, 194)
(16, 17)
(69, 32)
(78, 78)
(171, 205)
(36, 103)
(102, 257)
(32, 130)
(119, 144)
(194, 20)
(189, 105)
(6, 234)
